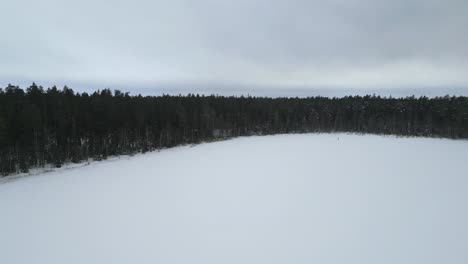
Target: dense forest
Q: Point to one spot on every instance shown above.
(40, 127)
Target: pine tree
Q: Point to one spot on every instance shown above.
(39, 127)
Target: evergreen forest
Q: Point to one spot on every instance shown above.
(42, 127)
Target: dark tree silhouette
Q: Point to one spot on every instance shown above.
(40, 127)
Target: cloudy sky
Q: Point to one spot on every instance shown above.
(252, 45)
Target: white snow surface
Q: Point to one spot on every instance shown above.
(311, 198)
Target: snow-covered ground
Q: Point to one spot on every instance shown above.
(329, 198)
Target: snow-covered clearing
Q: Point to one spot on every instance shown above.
(329, 198)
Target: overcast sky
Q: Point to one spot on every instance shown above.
(252, 44)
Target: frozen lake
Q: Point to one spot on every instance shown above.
(330, 198)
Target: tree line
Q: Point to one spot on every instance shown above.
(40, 127)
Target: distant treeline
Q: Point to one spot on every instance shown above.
(40, 127)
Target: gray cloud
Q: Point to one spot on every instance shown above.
(297, 43)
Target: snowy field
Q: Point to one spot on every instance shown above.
(331, 198)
